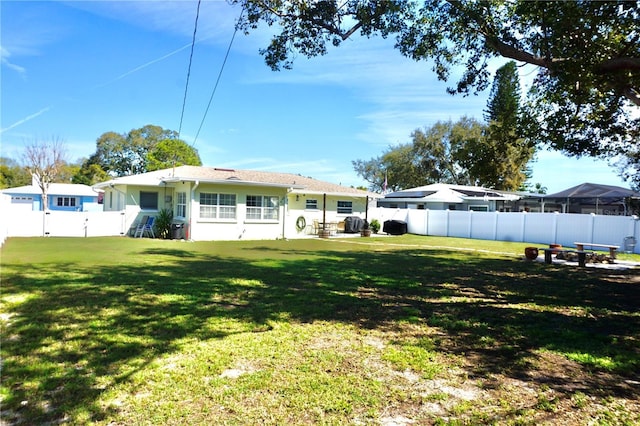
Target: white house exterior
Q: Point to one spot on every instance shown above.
(226, 204)
(440, 196)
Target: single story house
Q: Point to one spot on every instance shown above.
(60, 197)
(441, 196)
(227, 204)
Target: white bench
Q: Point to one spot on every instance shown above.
(612, 248)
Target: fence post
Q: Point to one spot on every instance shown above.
(426, 222)
(45, 223)
(447, 222)
(122, 223)
(523, 224)
(636, 233)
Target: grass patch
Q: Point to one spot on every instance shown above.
(140, 331)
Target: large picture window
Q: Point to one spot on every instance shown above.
(148, 200)
(217, 206)
(262, 207)
(345, 207)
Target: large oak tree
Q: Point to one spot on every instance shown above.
(138, 151)
(587, 54)
(434, 155)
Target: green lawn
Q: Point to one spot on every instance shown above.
(389, 330)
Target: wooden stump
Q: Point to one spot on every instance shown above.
(324, 233)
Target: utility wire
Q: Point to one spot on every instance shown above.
(186, 87)
(219, 75)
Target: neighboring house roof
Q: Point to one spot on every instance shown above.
(594, 190)
(445, 193)
(297, 183)
(70, 189)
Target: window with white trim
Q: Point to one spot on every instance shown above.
(65, 201)
(262, 207)
(217, 206)
(181, 204)
(311, 204)
(479, 208)
(345, 207)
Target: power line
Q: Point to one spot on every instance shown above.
(218, 79)
(186, 87)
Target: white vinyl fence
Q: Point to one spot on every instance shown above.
(536, 228)
(61, 224)
(539, 228)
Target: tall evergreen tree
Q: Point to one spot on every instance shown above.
(507, 151)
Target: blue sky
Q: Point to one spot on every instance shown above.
(75, 70)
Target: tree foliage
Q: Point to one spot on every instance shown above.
(138, 151)
(587, 54)
(436, 150)
(397, 165)
(12, 174)
(90, 172)
(172, 153)
(500, 159)
(431, 157)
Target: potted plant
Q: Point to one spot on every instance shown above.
(366, 230)
(375, 225)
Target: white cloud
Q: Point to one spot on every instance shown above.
(4, 57)
(215, 22)
(25, 119)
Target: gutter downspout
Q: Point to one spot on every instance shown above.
(193, 195)
(285, 211)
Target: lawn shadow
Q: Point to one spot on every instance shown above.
(104, 325)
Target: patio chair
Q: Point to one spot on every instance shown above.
(147, 228)
(139, 227)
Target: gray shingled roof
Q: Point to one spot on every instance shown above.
(220, 175)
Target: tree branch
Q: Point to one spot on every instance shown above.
(632, 94)
(618, 64)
